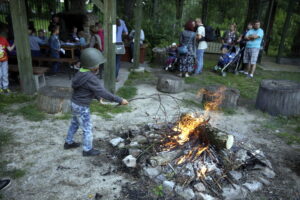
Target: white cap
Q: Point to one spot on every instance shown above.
(173, 44)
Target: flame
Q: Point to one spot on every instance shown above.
(191, 155)
(201, 172)
(216, 98)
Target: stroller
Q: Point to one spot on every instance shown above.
(229, 61)
(172, 60)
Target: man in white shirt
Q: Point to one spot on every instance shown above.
(131, 36)
(202, 45)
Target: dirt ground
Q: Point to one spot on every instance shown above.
(53, 173)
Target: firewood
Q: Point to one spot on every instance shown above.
(170, 84)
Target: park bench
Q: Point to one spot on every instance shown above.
(127, 56)
(213, 48)
(38, 74)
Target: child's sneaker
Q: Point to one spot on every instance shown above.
(250, 75)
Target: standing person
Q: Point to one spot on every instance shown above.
(95, 38)
(254, 38)
(187, 59)
(55, 48)
(131, 37)
(86, 86)
(229, 38)
(57, 21)
(202, 45)
(4, 45)
(243, 42)
(101, 34)
(121, 29)
(35, 43)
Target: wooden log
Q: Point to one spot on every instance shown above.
(54, 99)
(216, 97)
(159, 56)
(216, 137)
(279, 97)
(170, 84)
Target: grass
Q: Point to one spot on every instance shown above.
(191, 103)
(106, 111)
(8, 100)
(247, 87)
(127, 92)
(289, 138)
(6, 138)
(65, 116)
(31, 113)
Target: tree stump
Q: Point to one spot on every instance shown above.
(159, 56)
(216, 97)
(170, 84)
(279, 97)
(54, 99)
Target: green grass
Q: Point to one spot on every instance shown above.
(13, 173)
(127, 92)
(106, 111)
(8, 100)
(135, 78)
(229, 111)
(65, 116)
(191, 103)
(290, 138)
(31, 113)
(247, 87)
(6, 138)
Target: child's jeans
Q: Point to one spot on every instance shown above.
(3, 75)
(81, 118)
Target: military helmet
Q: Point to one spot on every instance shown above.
(91, 58)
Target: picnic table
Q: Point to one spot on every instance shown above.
(68, 46)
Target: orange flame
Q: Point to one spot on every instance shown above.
(201, 173)
(216, 98)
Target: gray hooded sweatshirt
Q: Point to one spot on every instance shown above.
(86, 87)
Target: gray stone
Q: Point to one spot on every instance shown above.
(253, 186)
(230, 193)
(121, 145)
(264, 181)
(160, 178)
(186, 193)
(203, 196)
(236, 175)
(199, 187)
(268, 173)
(134, 144)
(135, 152)
(163, 157)
(129, 161)
(140, 139)
(168, 185)
(241, 155)
(114, 142)
(151, 172)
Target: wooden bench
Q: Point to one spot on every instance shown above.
(127, 56)
(38, 74)
(213, 47)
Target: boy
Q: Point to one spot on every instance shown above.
(55, 48)
(86, 86)
(4, 64)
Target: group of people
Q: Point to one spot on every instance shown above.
(192, 44)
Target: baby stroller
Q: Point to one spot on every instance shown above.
(229, 61)
(172, 60)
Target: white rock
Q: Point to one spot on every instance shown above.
(139, 69)
(134, 144)
(186, 193)
(253, 186)
(236, 175)
(264, 181)
(114, 142)
(199, 187)
(121, 145)
(268, 173)
(151, 172)
(204, 196)
(129, 161)
(168, 185)
(230, 193)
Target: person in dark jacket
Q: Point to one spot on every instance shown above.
(86, 87)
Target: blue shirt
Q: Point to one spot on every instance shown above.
(256, 42)
(120, 29)
(54, 43)
(35, 42)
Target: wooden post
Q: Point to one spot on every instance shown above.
(19, 21)
(138, 14)
(109, 46)
(285, 28)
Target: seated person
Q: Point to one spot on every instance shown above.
(229, 39)
(131, 37)
(82, 41)
(172, 52)
(35, 43)
(41, 35)
(74, 36)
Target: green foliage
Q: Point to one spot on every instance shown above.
(7, 100)
(31, 113)
(158, 190)
(106, 111)
(127, 92)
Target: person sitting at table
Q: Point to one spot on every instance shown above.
(41, 35)
(131, 36)
(35, 43)
(95, 39)
(74, 36)
(55, 48)
(82, 41)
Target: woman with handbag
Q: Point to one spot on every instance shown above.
(187, 49)
(121, 29)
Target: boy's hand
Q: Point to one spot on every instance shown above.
(124, 102)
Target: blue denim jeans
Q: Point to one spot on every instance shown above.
(3, 75)
(55, 65)
(199, 54)
(81, 118)
(118, 64)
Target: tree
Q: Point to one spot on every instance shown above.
(204, 11)
(269, 21)
(179, 11)
(254, 7)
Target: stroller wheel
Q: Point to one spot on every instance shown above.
(223, 74)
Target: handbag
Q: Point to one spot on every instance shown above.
(120, 48)
(184, 48)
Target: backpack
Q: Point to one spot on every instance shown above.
(209, 34)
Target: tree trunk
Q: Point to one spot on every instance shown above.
(179, 11)
(253, 11)
(137, 35)
(54, 99)
(170, 84)
(19, 22)
(216, 97)
(269, 21)
(204, 11)
(295, 50)
(77, 6)
(285, 29)
(159, 56)
(279, 97)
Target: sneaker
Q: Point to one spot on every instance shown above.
(71, 146)
(250, 75)
(92, 152)
(7, 91)
(4, 183)
(131, 60)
